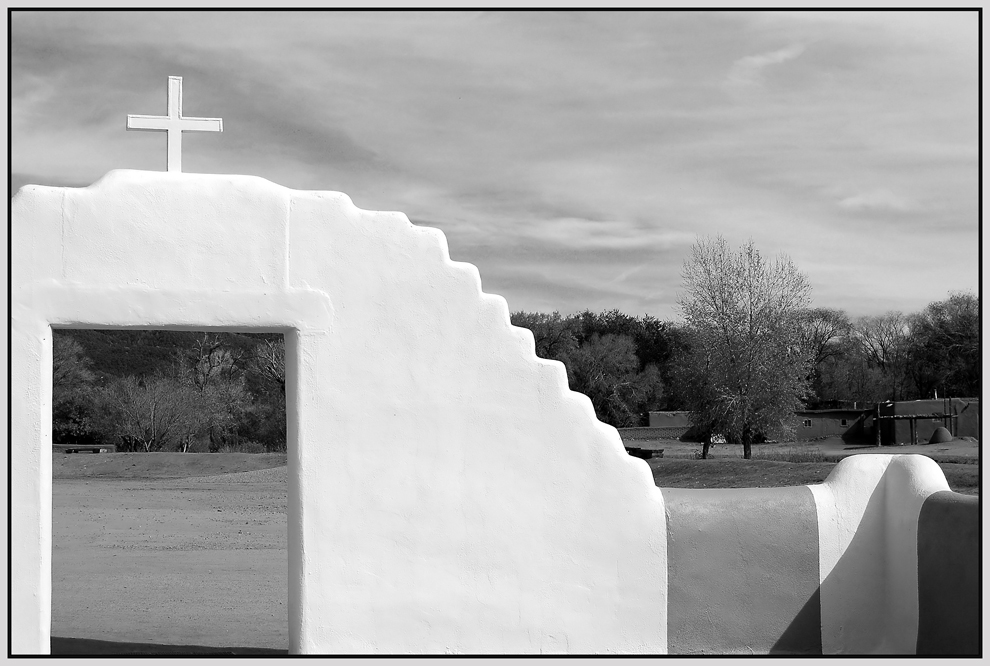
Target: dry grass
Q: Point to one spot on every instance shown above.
(736, 473)
(770, 473)
(962, 477)
(795, 455)
(159, 465)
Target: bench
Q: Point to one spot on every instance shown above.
(85, 448)
(645, 454)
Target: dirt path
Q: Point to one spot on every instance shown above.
(178, 561)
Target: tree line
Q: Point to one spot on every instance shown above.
(631, 365)
(752, 349)
(169, 391)
(749, 351)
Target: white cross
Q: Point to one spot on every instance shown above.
(174, 124)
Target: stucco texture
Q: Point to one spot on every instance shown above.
(448, 493)
(949, 591)
(743, 571)
(868, 511)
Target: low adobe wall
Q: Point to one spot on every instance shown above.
(742, 570)
(949, 575)
(881, 558)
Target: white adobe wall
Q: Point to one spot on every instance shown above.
(868, 511)
(452, 494)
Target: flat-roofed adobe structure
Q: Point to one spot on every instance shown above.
(915, 421)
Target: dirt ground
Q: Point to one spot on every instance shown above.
(191, 561)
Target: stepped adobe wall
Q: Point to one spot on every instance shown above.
(448, 493)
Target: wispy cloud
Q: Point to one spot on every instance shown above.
(877, 200)
(573, 233)
(749, 69)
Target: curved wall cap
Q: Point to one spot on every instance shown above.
(868, 511)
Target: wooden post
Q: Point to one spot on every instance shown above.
(876, 424)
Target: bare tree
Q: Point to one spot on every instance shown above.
(825, 335)
(822, 329)
(747, 367)
(268, 361)
(212, 361)
(884, 341)
(216, 374)
(883, 337)
(156, 413)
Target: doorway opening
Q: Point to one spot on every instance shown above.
(169, 492)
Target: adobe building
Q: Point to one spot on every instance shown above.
(674, 425)
(849, 424)
(960, 416)
(852, 424)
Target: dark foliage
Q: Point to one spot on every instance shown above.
(943, 352)
(616, 360)
(169, 390)
(139, 353)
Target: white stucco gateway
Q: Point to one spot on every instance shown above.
(448, 493)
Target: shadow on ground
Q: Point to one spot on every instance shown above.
(89, 647)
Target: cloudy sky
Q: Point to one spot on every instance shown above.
(574, 157)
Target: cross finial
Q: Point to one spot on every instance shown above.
(174, 124)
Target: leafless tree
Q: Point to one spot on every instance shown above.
(157, 413)
(822, 329)
(212, 361)
(747, 367)
(268, 361)
(884, 340)
(883, 337)
(215, 372)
